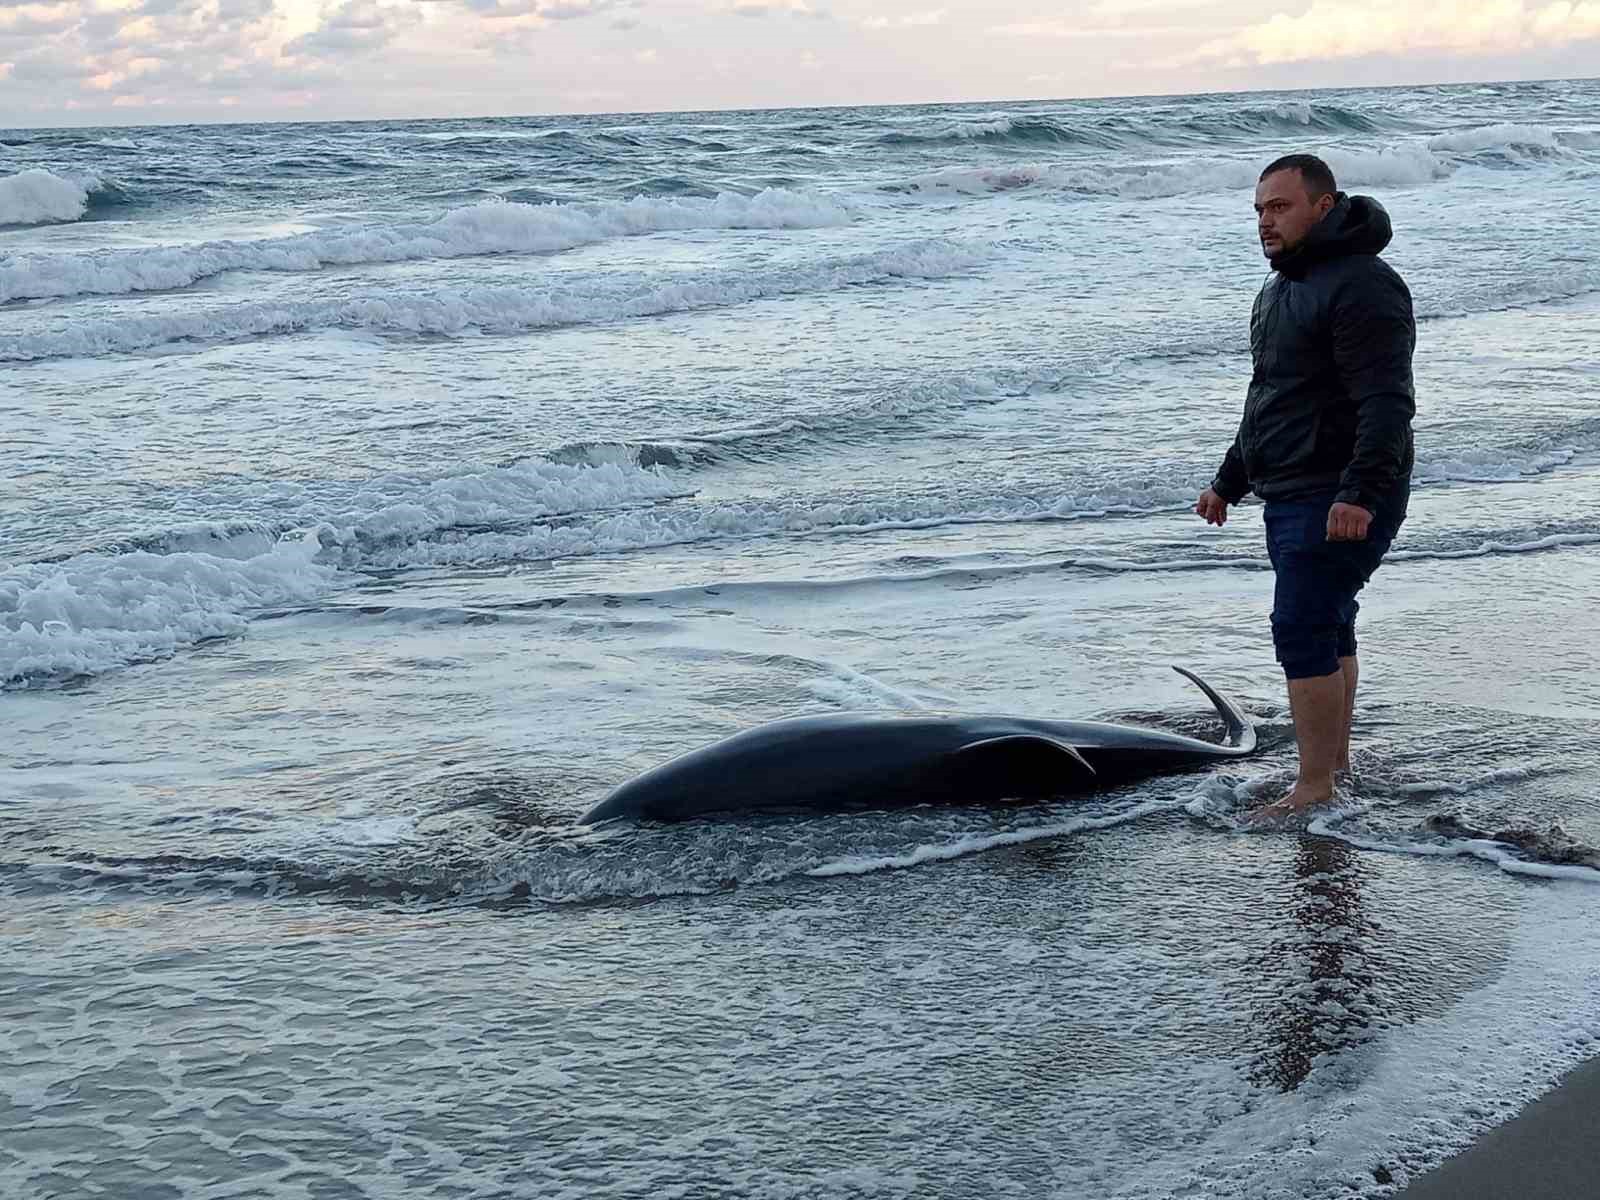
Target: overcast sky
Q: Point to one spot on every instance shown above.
(76, 62)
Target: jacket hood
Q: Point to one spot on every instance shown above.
(1354, 225)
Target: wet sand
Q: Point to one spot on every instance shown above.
(1549, 1151)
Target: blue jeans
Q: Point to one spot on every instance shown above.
(1314, 601)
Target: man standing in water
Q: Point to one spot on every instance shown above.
(1325, 441)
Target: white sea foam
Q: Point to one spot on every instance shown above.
(364, 830)
(657, 527)
(1223, 802)
(39, 197)
(456, 311)
(95, 612)
(1490, 548)
(993, 127)
(1501, 855)
(1553, 283)
(1356, 168)
(373, 530)
(488, 228)
(98, 611)
(976, 180)
(1405, 165)
(1425, 1090)
(401, 508)
(977, 843)
(1495, 137)
(1481, 465)
(398, 510)
(1397, 166)
(975, 127)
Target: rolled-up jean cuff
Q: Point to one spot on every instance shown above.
(1347, 640)
(1311, 651)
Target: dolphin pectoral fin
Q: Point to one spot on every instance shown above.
(1024, 749)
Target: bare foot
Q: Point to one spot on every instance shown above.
(1291, 809)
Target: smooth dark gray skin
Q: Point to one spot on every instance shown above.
(834, 762)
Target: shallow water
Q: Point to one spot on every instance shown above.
(367, 523)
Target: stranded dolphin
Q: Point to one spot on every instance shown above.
(880, 762)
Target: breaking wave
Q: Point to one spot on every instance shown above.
(161, 592)
(480, 229)
(39, 197)
(1406, 164)
(97, 611)
(493, 310)
(1158, 128)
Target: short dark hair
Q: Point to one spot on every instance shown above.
(1319, 179)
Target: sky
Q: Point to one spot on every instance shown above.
(133, 62)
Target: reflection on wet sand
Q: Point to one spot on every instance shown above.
(1321, 991)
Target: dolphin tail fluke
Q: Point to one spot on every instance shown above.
(1241, 733)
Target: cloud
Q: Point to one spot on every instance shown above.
(356, 27)
(266, 77)
(909, 21)
(142, 49)
(1065, 29)
(66, 60)
(573, 10)
(37, 18)
(762, 8)
(1139, 8)
(545, 10)
(1335, 29)
(50, 64)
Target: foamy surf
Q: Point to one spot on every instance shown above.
(481, 229)
(677, 525)
(977, 843)
(39, 197)
(95, 613)
(99, 611)
(200, 581)
(1403, 164)
(454, 312)
(1507, 858)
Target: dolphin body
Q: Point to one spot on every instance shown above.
(842, 762)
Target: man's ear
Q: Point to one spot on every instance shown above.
(1325, 204)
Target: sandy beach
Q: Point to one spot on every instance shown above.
(1548, 1151)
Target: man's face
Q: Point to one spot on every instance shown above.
(1286, 211)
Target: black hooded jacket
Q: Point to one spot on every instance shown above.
(1330, 402)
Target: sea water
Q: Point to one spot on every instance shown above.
(378, 495)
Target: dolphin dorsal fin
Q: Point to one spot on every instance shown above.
(1028, 741)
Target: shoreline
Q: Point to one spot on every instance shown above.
(1548, 1151)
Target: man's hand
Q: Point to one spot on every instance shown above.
(1212, 507)
(1348, 523)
